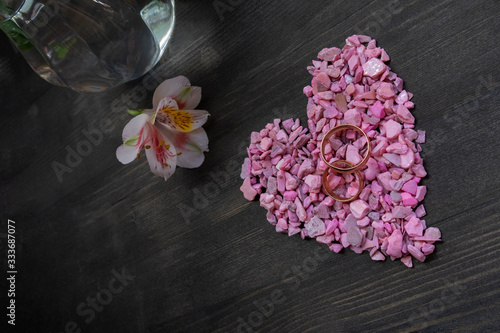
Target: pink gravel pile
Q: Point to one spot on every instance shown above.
(354, 86)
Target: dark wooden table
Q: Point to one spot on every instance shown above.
(162, 257)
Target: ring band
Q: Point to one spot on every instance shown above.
(324, 181)
(352, 167)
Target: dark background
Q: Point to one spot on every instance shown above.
(216, 264)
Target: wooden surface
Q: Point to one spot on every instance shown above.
(216, 264)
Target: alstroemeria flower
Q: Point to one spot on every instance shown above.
(172, 134)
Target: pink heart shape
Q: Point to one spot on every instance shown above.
(354, 86)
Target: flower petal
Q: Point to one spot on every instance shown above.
(161, 155)
(189, 98)
(191, 146)
(135, 127)
(166, 103)
(177, 87)
(126, 154)
(134, 135)
(179, 120)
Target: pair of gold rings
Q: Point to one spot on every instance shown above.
(338, 165)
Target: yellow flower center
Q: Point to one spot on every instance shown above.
(180, 119)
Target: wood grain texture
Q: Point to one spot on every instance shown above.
(210, 267)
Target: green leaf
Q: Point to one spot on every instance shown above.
(62, 49)
(16, 35)
(135, 112)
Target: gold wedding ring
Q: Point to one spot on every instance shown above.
(328, 191)
(352, 167)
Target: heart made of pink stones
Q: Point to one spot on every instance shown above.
(353, 85)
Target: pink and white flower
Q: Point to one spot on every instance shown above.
(171, 132)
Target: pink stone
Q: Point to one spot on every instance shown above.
(282, 224)
(328, 54)
(308, 91)
(402, 97)
(427, 248)
(354, 236)
(407, 159)
(353, 63)
(408, 199)
(267, 201)
(343, 240)
(377, 109)
(315, 227)
(333, 72)
(385, 90)
(330, 112)
(384, 56)
(384, 180)
(293, 231)
(407, 261)
(281, 181)
(373, 68)
(335, 247)
(393, 158)
(368, 95)
(420, 211)
(328, 201)
(340, 103)
(388, 199)
(421, 137)
(405, 115)
(410, 187)
(350, 89)
(266, 143)
(352, 155)
(325, 239)
(419, 171)
(281, 136)
(392, 129)
(372, 170)
(420, 193)
(416, 253)
(359, 208)
(400, 212)
(377, 256)
(360, 105)
(376, 188)
(248, 191)
(322, 212)
(397, 148)
(353, 40)
(307, 167)
(364, 222)
(352, 117)
(291, 182)
(414, 227)
(395, 244)
(290, 195)
(332, 226)
(326, 95)
(398, 82)
(314, 182)
(320, 83)
(300, 211)
(433, 233)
